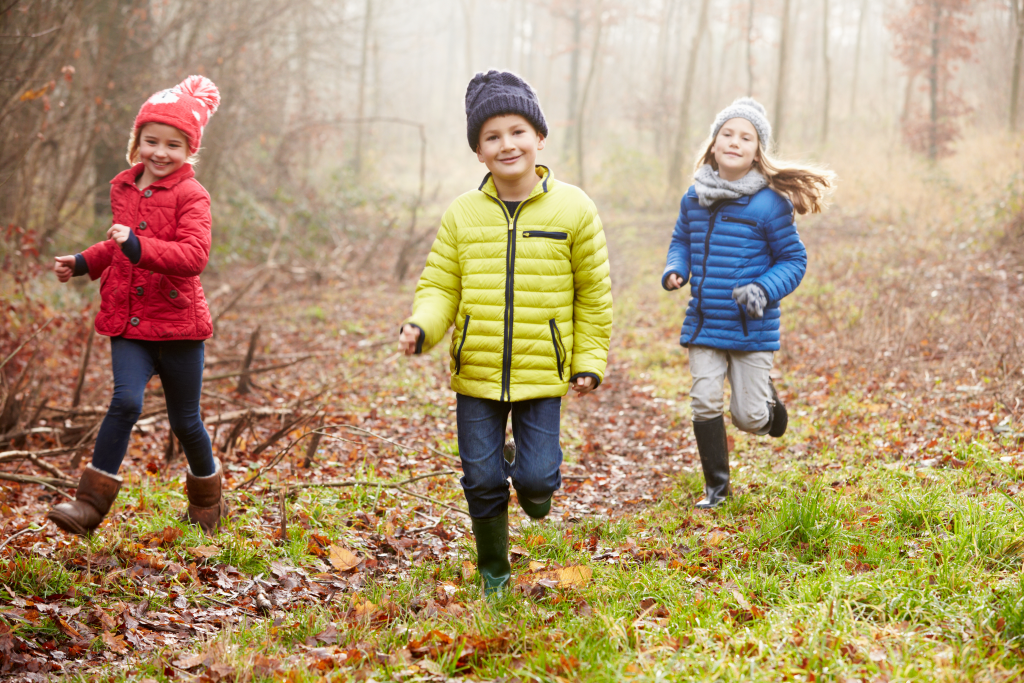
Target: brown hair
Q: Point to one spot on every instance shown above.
(805, 185)
(134, 141)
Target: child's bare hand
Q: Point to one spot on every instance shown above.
(583, 385)
(408, 338)
(119, 233)
(674, 281)
(64, 267)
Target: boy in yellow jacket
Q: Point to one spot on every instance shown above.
(520, 265)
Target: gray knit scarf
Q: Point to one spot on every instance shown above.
(712, 188)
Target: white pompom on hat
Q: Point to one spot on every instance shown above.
(187, 106)
(745, 108)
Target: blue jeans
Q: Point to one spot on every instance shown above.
(535, 472)
(180, 366)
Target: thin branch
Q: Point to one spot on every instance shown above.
(30, 338)
(398, 486)
(18, 533)
(43, 481)
(384, 438)
(255, 371)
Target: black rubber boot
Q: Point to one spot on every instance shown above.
(534, 510)
(492, 552)
(713, 447)
(779, 418)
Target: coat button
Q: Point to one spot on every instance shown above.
(134, 320)
(139, 290)
(173, 294)
(147, 193)
(142, 225)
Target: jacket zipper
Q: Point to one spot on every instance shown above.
(458, 354)
(704, 275)
(545, 233)
(510, 269)
(556, 339)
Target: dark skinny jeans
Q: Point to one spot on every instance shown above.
(180, 366)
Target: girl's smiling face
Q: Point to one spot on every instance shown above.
(508, 147)
(163, 150)
(735, 148)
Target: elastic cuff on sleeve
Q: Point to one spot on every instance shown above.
(419, 340)
(761, 287)
(597, 380)
(664, 279)
(132, 248)
(81, 267)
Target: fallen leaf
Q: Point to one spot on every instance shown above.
(342, 558)
(189, 661)
(115, 643)
(205, 551)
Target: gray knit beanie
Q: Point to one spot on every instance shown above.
(496, 93)
(745, 108)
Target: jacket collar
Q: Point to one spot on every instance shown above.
(742, 201)
(129, 176)
(544, 185)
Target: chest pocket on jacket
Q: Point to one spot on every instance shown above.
(545, 233)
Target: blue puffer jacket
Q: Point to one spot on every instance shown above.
(736, 242)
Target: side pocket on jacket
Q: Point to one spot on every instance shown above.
(458, 354)
(556, 341)
(743, 320)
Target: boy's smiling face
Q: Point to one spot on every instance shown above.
(508, 147)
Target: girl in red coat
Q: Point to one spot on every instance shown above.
(152, 304)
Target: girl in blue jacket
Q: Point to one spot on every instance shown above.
(737, 245)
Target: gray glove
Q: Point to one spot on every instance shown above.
(752, 298)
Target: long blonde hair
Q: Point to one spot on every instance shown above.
(806, 185)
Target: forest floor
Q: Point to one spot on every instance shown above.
(880, 539)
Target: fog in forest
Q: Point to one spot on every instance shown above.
(342, 121)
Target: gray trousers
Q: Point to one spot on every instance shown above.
(748, 376)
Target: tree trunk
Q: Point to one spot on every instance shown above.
(594, 56)
(469, 10)
(574, 80)
(856, 54)
(1018, 49)
(750, 49)
(661, 77)
(827, 63)
(933, 84)
(357, 161)
(780, 84)
(675, 168)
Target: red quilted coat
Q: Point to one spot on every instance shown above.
(160, 297)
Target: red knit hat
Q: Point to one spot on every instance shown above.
(187, 106)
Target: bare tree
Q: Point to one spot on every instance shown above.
(1018, 50)
(750, 48)
(780, 84)
(675, 168)
(594, 59)
(826, 60)
(357, 160)
(856, 54)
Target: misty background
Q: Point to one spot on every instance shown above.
(341, 134)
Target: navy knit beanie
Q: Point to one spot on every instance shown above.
(496, 93)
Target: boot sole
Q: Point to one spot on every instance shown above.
(67, 524)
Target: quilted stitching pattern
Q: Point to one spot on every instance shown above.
(161, 297)
(754, 239)
(565, 280)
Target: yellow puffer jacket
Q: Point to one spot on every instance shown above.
(530, 294)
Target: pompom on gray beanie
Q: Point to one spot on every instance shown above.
(496, 93)
(745, 108)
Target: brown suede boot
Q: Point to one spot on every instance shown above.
(206, 505)
(96, 493)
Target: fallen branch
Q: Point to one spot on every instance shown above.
(398, 486)
(222, 418)
(384, 438)
(44, 481)
(16, 534)
(254, 371)
(18, 455)
(277, 458)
